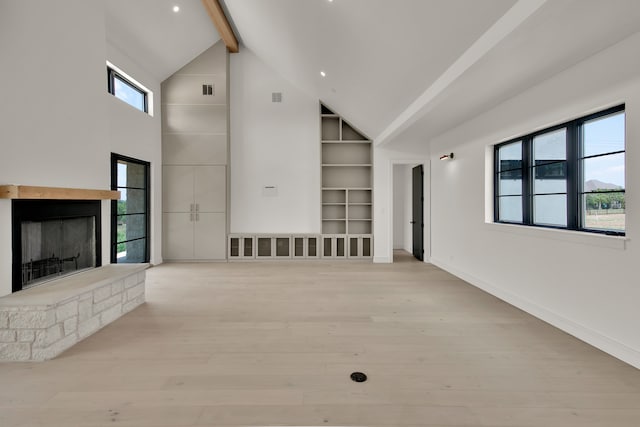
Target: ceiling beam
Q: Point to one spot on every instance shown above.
(222, 24)
(514, 17)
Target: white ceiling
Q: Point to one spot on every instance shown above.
(560, 34)
(157, 38)
(385, 59)
(378, 54)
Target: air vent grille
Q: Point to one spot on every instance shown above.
(207, 90)
(276, 97)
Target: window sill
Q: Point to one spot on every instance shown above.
(578, 237)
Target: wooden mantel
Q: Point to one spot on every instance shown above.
(55, 193)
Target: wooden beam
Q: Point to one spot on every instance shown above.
(55, 193)
(222, 24)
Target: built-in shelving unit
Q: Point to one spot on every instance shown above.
(347, 203)
(273, 246)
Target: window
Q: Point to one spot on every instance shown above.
(126, 89)
(130, 220)
(571, 176)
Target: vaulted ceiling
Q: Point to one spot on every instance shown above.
(402, 71)
(159, 39)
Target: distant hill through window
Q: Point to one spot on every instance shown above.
(594, 185)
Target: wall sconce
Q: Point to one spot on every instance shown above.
(446, 156)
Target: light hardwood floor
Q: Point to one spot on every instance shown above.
(274, 343)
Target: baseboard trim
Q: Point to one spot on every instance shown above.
(382, 260)
(602, 342)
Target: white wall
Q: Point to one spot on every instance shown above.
(399, 195)
(383, 200)
(272, 144)
(53, 128)
(57, 126)
(407, 229)
(135, 134)
(402, 207)
(584, 284)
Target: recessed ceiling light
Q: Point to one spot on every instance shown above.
(323, 74)
(176, 9)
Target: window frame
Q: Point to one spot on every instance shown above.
(113, 74)
(115, 158)
(574, 174)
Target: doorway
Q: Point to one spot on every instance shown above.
(417, 210)
(409, 226)
(130, 216)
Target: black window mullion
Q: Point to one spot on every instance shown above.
(574, 171)
(496, 183)
(573, 176)
(527, 184)
(115, 159)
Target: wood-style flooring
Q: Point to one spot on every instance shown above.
(274, 344)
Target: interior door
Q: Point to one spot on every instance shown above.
(417, 221)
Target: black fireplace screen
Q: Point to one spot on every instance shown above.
(53, 238)
(56, 247)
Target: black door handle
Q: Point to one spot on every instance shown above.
(412, 222)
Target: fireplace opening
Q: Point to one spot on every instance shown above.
(53, 238)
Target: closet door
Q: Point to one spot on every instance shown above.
(210, 188)
(178, 236)
(177, 188)
(210, 236)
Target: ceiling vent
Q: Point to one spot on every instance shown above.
(276, 97)
(207, 90)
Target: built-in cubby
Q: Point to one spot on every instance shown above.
(334, 246)
(346, 153)
(347, 204)
(306, 246)
(330, 128)
(273, 246)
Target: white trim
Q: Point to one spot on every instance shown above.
(426, 242)
(571, 236)
(590, 336)
(504, 26)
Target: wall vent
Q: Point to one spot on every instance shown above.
(207, 89)
(276, 97)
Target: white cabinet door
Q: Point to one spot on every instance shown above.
(210, 236)
(178, 188)
(178, 236)
(210, 188)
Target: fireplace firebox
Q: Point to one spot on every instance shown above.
(53, 238)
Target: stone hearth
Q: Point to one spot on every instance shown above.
(39, 323)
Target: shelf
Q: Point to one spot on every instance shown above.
(55, 193)
(344, 188)
(333, 141)
(350, 165)
(346, 182)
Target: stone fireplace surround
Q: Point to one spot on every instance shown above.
(41, 322)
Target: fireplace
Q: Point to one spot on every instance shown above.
(53, 238)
